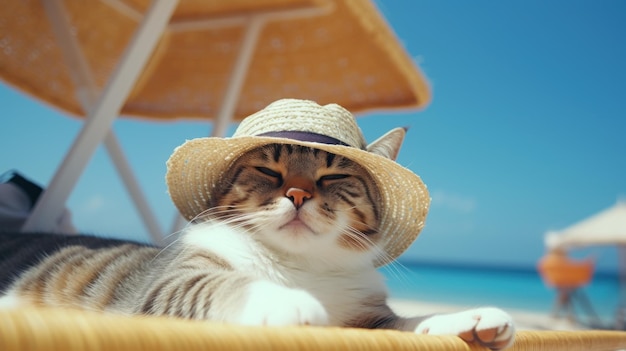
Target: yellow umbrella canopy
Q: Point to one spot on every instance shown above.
(220, 60)
(327, 51)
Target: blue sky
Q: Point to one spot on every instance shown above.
(526, 131)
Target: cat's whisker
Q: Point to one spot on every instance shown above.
(219, 209)
(165, 248)
(199, 217)
(219, 212)
(229, 217)
(359, 237)
(178, 232)
(241, 221)
(182, 230)
(401, 273)
(396, 269)
(236, 217)
(362, 240)
(380, 253)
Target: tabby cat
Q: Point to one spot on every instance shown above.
(261, 256)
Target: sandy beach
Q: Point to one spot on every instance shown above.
(524, 320)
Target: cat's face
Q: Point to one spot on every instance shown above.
(303, 201)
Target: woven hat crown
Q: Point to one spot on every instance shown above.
(295, 115)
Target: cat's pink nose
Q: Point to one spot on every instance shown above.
(298, 196)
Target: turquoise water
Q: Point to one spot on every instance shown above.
(505, 288)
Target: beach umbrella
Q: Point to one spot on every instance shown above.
(218, 60)
(605, 228)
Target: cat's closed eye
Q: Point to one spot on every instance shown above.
(269, 172)
(324, 180)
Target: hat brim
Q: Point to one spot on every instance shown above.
(196, 169)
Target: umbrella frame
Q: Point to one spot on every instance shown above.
(82, 77)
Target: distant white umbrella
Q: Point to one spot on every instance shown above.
(607, 227)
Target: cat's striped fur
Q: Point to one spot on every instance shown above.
(291, 239)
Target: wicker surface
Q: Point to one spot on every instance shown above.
(347, 55)
(50, 329)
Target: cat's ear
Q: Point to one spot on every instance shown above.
(389, 144)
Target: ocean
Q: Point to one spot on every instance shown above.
(512, 288)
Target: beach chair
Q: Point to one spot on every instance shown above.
(568, 276)
(72, 330)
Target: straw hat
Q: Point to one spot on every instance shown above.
(195, 169)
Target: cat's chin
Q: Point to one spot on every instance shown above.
(296, 227)
(294, 237)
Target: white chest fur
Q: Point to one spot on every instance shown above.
(342, 291)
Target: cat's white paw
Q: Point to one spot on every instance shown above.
(271, 304)
(490, 327)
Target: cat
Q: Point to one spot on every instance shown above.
(260, 255)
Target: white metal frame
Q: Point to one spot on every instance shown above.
(101, 115)
(83, 79)
(103, 110)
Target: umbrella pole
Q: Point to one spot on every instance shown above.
(82, 76)
(254, 25)
(50, 204)
(233, 91)
(238, 76)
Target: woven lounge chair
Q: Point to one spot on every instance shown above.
(68, 330)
